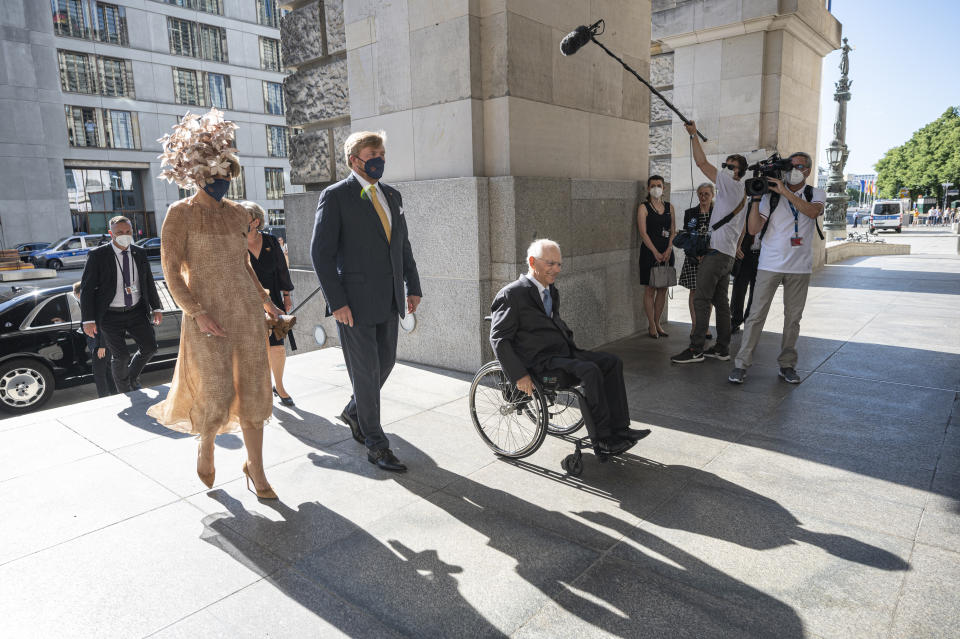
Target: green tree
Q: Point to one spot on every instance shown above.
(925, 161)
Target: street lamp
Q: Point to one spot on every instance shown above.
(835, 219)
(833, 155)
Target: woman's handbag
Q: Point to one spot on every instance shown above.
(663, 276)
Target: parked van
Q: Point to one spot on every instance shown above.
(69, 251)
(886, 214)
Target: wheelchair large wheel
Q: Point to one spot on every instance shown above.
(512, 423)
(563, 413)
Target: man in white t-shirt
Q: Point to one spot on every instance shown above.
(786, 257)
(713, 274)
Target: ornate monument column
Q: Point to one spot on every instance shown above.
(835, 222)
(494, 138)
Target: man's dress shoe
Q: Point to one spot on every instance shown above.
(354, 427)
(614, 445)
(634, 434)
(386, 460)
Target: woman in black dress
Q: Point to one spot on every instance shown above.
(655, 219)
(270, 265)
(688, 273)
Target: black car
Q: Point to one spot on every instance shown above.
(28, 249)
(151, 245)
(42, 346)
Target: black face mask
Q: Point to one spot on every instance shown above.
(374, 167)
(217, 189)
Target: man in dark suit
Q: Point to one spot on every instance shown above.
(117, 294)
(363, 259)
(528, 335)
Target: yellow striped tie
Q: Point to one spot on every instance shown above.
(380, 212)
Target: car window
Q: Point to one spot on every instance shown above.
(154, 242)
(166, 300)
(54, 311)
(72, 245)
(74, 303)
(95, 240)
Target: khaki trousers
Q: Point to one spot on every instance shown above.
(795, 286)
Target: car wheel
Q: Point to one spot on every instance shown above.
(25, 385)
(55, 265)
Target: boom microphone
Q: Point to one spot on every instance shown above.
(577, 38)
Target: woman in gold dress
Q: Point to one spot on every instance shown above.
(222, 377)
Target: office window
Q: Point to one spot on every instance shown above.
(274, 183)
(218, 90)
(69, 18)
(238, 187)
(278, 141)
(270, 54)
(273, 98)
(116, 77)
(111, 23)
(187, 87)
(83, 127)
(102, 128)
(268, 13)
(276, 217)
(184, 193)
(209, 6)
(213, 43)
(76, 72)
(183, 37)
(122, 133)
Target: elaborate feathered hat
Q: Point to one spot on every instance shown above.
(199, 150)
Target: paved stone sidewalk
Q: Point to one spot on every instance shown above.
(828, 509)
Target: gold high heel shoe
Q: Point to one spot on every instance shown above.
(262, 494)
(206, 478)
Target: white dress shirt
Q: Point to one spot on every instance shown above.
(540, 287)
(381, 197)
(134, 277)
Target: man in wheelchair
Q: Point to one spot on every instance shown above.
(529, 338)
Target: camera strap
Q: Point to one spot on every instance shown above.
(775, 201)
(730, 215)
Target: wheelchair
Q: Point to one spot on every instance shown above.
(514, 424)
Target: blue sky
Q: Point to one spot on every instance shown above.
(904, 69)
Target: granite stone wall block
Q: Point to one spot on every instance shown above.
(661, 167)
(658, 110)
(310, 157)
(300, 34)
(340, 135)
(311, 314)
(317, 93)
(333, 19)
(661, 140)
(300, 210)
(661, 70)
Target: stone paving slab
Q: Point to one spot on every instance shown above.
(828, 509)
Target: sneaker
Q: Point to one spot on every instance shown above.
(687, 357)
(789, 375)
(717, 352)
(737, 376)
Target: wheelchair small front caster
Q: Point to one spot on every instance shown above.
(573, 464)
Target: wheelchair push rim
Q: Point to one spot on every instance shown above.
(563, 413)
(512, 423)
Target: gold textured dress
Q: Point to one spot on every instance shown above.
(219, 383)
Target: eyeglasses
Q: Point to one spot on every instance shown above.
(730, 165)
(551, 263)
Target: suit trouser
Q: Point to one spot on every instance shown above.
(101, 370)
(370, 351)
(601, 375)
(115, 326)
(795, 286)
(713, 280)
(746, 277)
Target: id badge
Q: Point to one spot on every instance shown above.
(665, 233)
(796, 240)
(130, 289)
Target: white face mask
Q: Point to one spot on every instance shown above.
(124, 240)
(795, 176)
(656, 192)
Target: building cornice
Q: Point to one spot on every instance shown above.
(792, 23)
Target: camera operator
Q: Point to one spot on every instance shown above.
(713, 274)
(785, 220)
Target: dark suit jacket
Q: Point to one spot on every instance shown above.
(354, 262)
(522, 335)
(691, 214)
(98, 286)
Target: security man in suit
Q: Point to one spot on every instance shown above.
(117, 294)
(528, 335)
(363, 259)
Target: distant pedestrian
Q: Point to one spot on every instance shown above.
(856, 218)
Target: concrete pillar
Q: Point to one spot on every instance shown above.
(748, 73)
(495, 139)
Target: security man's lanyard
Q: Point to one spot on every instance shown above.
(796, 219)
